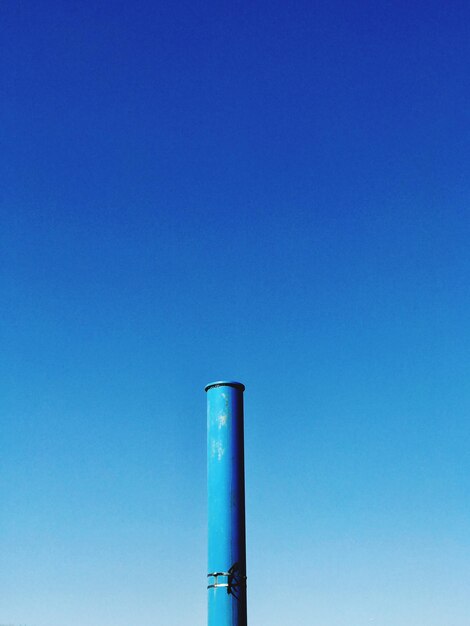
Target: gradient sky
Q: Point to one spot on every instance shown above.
(271, 192)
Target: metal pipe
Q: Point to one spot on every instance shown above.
(226, 505)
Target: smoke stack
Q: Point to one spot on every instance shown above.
(226, 505)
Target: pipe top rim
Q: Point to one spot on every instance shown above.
(225, 383)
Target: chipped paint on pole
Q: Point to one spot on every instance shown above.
(226, 505)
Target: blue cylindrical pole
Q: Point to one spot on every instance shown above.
(226, 505)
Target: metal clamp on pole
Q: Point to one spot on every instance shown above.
(216, 582)
(233, 580)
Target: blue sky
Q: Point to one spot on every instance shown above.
(276, 193)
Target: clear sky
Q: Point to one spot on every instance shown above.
(271, 192)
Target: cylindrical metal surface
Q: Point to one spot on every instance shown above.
(226, 505)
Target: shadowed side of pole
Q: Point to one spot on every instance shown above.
(226, 578)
